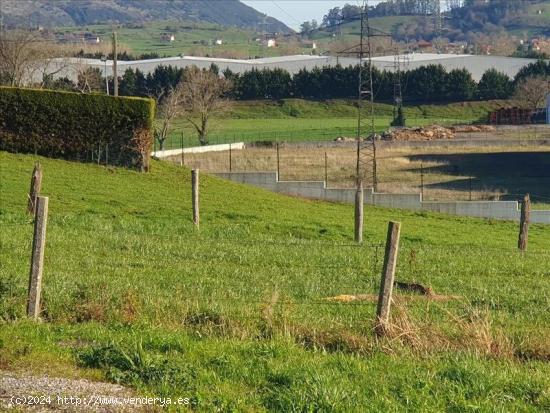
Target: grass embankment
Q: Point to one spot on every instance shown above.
(233, 315)
(302, 120)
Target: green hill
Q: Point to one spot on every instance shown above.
(234, 315)
(50, 13)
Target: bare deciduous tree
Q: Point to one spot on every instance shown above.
(28, 58)
(203, 96)
(18, 51)
(169, 109)
(89, 80)
(532, 92)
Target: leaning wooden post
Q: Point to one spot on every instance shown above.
(524, 223)
(36, 185)
(37, 258)
(359, 213)
(388, 276)
(195, 195)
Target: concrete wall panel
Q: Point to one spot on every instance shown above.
(504, 210)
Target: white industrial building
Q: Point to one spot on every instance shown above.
(476, 64)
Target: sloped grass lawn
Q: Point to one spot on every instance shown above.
(234, 315)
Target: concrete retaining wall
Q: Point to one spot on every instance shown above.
(503, 210)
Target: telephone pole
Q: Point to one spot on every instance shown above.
(115, 61)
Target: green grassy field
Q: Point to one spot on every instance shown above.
(234, 317)
(301, 120)
(532, 23)
(191, 38)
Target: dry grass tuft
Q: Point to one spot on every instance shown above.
(130, 307)
(331, 341)
(479, 336)
(267, 322)
(404, 331)
(89, 311)
(211, 323)
(473, 332)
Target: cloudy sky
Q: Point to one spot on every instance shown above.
(295, 12)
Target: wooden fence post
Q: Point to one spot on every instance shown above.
(230, 158)
(326, 170)
(524, 223)
(182, 160)
(422, 181)
(37, 258)
(388, 276)
(195, 196)
(359, 213)
(278, 164)
(36, 185)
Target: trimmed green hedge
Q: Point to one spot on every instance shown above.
(118, 131)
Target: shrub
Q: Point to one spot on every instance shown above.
(77, 126)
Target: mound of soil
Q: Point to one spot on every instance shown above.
(473, 128)
(426, 133)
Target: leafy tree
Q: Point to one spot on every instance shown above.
(427, 83)
(62, 83)
(305, 27)
(134, 83)
(494, 85)
(460, 85)
(539, 68)
(128, 83)
(333, 17)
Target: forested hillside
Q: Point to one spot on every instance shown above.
(459, 18)
(83, 12)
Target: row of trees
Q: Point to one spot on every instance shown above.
(386, 8)
(430, 83)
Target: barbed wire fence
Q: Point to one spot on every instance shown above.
(300, 271)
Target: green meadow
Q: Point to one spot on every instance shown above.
(235, 315)
(294, 120)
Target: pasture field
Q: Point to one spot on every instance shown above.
(295, 120)
(234, 315)
(191, 38)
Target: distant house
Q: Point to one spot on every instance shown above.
(455, 47)
(219, 42)
(271, 43)
(423, 45)
(168, 37)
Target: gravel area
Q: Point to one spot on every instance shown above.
(26, 393)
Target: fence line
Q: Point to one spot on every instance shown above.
(189, 139)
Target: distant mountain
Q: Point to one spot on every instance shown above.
(50, 13)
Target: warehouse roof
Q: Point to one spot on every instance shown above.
(476, 64)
